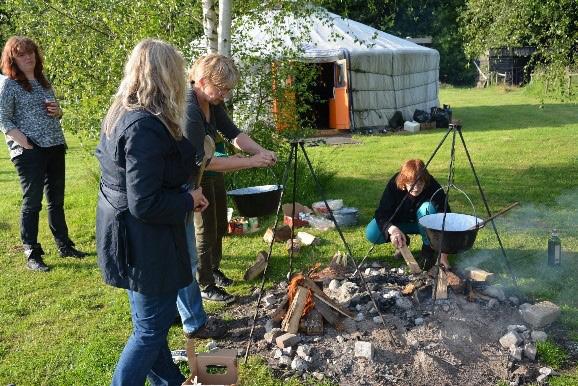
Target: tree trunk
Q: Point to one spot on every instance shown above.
(225, 27)
(209, 25)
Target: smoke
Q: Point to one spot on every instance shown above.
(524, 232)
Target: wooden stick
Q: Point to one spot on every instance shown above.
(501, 212)
(410, 260)
(441, 285)
(317, 292)
(209, 148)
(192, 358)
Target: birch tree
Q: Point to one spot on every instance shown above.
(210, 26)
(225, 27)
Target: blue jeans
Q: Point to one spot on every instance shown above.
(375, 236)
(189, 301)
(146, 353)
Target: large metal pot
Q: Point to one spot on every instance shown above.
(459, 234)
(257, 201)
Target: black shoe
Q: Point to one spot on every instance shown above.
(36, 264)
(212, 329)
(220, 279)
(217, 294)
(70, 251)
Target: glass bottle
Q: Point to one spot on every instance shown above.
(554, 248)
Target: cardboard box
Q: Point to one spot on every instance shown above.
(242, 225)
(299, 208)
(427, 125)
(214, 368)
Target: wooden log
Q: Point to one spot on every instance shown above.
(410, 260)
(327, 312)
(441, 285)
(279, 314)
(312, 323)
(291, 322)
(478, 274)
(317, 292)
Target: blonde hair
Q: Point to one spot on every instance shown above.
(219, 70)
(154, 80)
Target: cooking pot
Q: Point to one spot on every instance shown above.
(459, 234)
(257, 201)
(346, 216)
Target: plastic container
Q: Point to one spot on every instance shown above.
(554, 248)
(411, 126)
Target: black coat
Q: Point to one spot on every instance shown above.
(140, 222)
(392, 196)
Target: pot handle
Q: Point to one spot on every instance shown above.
(467, 197)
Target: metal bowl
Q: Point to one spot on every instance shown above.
(457, 235)
(257, 201)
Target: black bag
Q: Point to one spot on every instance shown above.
(421, 116)
(441, 117)
(396, 121)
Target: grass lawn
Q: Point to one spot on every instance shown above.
(66, 327)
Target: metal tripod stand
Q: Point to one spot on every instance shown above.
(292, 161)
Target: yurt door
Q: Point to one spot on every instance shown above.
(339, 104)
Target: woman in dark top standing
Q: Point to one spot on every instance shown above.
(414, 181)
(140, 224)
(30, 119)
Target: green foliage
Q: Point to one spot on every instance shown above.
(86, 43)
(551, 26)
(552, 354)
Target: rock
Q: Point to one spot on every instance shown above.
(334, 285)
(359, 317)
(540, 314)
(294, 244)
(517, 327)
(349, 325)
(492, 303)
(368, 271)
(317, 375)
(269, 301)
(359, 307)
(304, 350)
(308, 239)
(511, 339)
(272, 335)
(494, 292)
(282, 234)
(526, 336)
(340, 339)
(446, 307)
(516, 352)
(364, 350)
(545, 371)
(277, 353)
(284, 361)
(530, 351)
(541, 378)
(538, 336)
(348, 288)
(391, 294)
(514, 300)
(299, 365)
(287, 340)
(377, 319)
(404, 303)
(418, 321)
(289, 351)
(212, 345)
(269, 325)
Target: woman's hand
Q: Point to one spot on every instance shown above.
(53, 108)
(396, 236)
(199, 199)
(263, 159)
(19, 138)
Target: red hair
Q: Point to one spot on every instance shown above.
(409, 172)
(18, 45)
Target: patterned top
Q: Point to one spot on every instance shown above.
(26, 111)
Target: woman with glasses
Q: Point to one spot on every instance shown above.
(414, 183)
(212, 77)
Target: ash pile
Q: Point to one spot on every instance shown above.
(325, 325)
